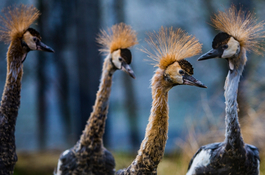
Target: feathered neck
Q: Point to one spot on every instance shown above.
(153, 145)
(11, 95)
(94, 129)
(9, 107)
(233, 138)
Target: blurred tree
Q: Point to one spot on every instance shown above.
(56, 34)
(41, 77)
(210, 11)
(245, 5)
(8, 2)
(129, 91)
(64, 8)
(87, 21)
(4, 3)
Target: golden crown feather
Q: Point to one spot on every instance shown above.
(169, 45)
(242, 26)
(119, 36)
(16, 20)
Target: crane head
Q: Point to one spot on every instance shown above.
(121, 58)
(32, 41)
(224, 46)
(180, 73)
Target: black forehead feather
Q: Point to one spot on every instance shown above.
(220, 39)
(186, 66)
(126, 55)
(34, 32)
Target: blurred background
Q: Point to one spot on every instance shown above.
(59, 89)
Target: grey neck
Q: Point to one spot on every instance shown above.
(233, 138)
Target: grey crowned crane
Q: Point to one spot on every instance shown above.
(16, 32)
(239, 33)
(21, 38)
(169, 50)
(89, 156)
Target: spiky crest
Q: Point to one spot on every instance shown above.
(119, 36)
(16, 20)
(170, 45)
(243, 27)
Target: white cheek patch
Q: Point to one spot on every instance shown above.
(178, 79)
(115, 58)
(233, 46)
(28, 38)
(117, 63)
(202, 159)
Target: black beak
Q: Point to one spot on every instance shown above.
(214, 53)
(190, 80)
(41, 46)
(126, 68)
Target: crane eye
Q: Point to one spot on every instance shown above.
(225, 46)
(181, 72)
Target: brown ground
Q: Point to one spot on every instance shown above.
(43, 163)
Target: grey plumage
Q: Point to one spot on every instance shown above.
(240, 32)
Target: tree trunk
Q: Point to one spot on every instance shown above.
(60, 41)
(130, 99)
(87, 21)
(42, 81)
